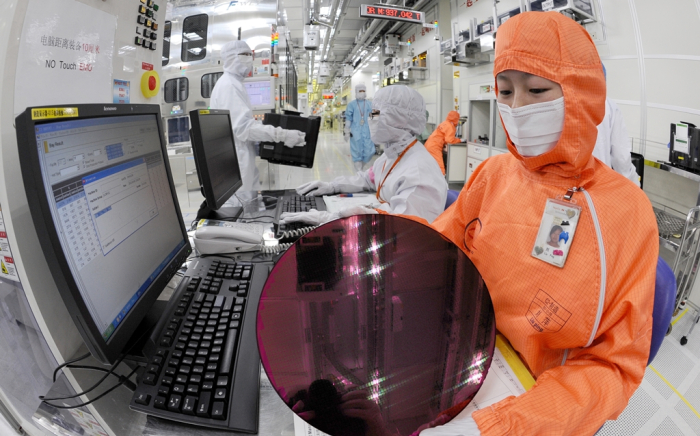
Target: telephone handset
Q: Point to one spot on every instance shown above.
(220, 239)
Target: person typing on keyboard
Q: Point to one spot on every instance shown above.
(406, 178)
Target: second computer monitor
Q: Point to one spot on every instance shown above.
(215, 156)
(277, 152)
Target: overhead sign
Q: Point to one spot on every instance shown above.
(391, 13)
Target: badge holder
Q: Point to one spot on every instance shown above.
(557, 229)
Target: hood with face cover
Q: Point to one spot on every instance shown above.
(360, 87)
(401, 117)
(233, 63)
(453, 117)
(569, 57)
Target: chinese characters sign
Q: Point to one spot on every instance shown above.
(391, 13)
(65, 55)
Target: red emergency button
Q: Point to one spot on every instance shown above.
(150, 84)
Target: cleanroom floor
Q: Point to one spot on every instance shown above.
(668, 401)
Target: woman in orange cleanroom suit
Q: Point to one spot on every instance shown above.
(584, 329)
(444, 134)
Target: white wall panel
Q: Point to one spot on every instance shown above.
(623, 81)
(673, 82)
(619, 27)
(671, 27)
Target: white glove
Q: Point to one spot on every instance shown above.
(346, 137)
(317, 188)
(294, 138)
(312, 217)
(364, 209)
(461, 425)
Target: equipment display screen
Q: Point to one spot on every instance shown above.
(390, 13)
(259, 93)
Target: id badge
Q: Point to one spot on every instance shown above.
(362, 122)
(556, 232)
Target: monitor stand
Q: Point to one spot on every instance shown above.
(227, 213)
(137, 342)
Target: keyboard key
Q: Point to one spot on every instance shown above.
(198, 370)
(154, 369)
(174, 403)
(163, 390)
(209, 376)
(222, 381)
(220, 394)
(149, 379)
(217, 410)
(181, 378)
(162, 353)
(212, 366)
(142, 398)
(187, 361)
(165, 341)
(192, 389)
(225, 367)
(159, 402)
(189, 404)
(179, 389)
(177, 354)
(174, 362)
(200, 361)
(207, 386)
(196, 378)
(185, 369)
(203, 406)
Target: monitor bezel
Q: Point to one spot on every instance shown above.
(200, 160)
(105, 351)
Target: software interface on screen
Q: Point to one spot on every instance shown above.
(220, 153)
(259, 92)
(112, 207)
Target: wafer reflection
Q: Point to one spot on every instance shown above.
(373, 325)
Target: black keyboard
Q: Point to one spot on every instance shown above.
(204, 366)
(293, 202)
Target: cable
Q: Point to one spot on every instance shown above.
(127, 383)
(77, 359)
(94, 399)
(296, 234)
(110, 371)
(273, 249)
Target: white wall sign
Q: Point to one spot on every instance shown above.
(65, 55)
(7, 262)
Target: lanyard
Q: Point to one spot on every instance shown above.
(379, 188)
(362, 115)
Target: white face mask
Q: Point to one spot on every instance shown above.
(245, 65)
(534, 129)
(361, 95)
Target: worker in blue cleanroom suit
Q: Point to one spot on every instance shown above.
(357, 128)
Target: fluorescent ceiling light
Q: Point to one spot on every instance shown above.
(374, 59)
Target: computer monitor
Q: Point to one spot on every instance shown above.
(277, 152)
(178, 130)
(102, 199)
(216, 160)
(261, 92)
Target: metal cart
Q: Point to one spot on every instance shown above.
(682, 238)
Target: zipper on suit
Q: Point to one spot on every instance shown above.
(603, 266)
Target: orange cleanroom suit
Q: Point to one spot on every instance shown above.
(583, 330)
(445, 133)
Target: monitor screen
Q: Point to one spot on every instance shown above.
(178, 130)
(106, 201)
(260, 93)
(215, 155)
